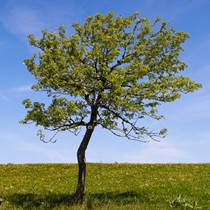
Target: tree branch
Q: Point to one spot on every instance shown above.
(138, 131)
(120, 62)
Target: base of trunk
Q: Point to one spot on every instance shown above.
(79, 195)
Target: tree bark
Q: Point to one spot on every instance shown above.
(80, 190)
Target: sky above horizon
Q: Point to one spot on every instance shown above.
(187, 119)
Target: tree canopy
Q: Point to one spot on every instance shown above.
(125, 67)
(112, 71)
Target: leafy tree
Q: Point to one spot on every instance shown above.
(112, 72)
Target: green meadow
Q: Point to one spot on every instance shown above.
(108, 186)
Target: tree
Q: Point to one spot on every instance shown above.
(112, 72)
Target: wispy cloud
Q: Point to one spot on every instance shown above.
(50, 154)
(17, 148)
(190, 110)
(177, 148)
(194, 106)
(153, 152)
(23, 88)
(22, 20)
(28, 18)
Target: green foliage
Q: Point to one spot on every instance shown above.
(184, 204)
(109, 186)
(121, 67)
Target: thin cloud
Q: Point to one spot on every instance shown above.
(22, 89)
(50, 154)
(153, 152)
(195, 106)
(190, 110)
(23, 150)
(179, 148)
(22, 20)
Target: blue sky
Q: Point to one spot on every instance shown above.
(187, 119)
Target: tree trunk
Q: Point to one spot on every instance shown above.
(80, 190)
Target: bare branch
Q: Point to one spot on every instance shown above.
(130, 130)
(42, 137)
(120, 62)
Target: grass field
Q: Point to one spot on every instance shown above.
(109, 186)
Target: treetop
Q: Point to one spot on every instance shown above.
(119, 69)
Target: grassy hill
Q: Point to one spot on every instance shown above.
(109, 186)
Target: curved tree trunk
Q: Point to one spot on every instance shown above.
(80, 190)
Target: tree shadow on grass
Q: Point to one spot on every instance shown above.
(123, 198)
(46, 201)
(31, 200)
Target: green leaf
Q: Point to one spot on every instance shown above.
(113, 71)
